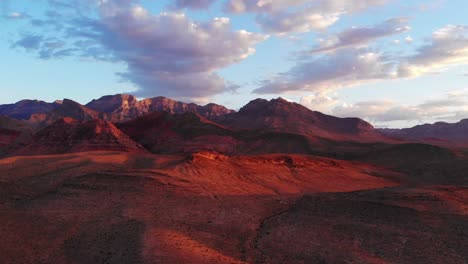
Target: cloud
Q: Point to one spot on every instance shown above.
(345, 65)
(166, 54)
(409, 39)
(29, 42)
(170, 53)
(378, 111)
(447, 47)
(297, 22)
(321, 102)
(45, 47)
(193, 4)
(451, 106)
(298, 16)
(325, 6)
(17, 15)
(361, 36)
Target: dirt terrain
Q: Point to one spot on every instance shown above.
(116, 207)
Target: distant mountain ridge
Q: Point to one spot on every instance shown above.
(123, 107)
(163, 125)
(24, 109)
(68, 109)
(283, 116)
(438, 133)
(114, 108)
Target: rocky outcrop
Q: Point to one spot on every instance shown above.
(283, 116)
(124, 107)
(69, 135)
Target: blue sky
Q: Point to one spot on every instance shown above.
(393, 63)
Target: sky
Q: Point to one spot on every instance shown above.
(393, 63)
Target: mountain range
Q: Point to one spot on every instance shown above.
(440, 133)
(122, 180)
(163, 125)
(277, 123)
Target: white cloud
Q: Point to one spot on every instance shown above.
(409, 39)
(447, 47)
(451, 106)
(361, 36)
(297, 22)
(298, 16)
(343, 63)
(170, 53)
(343, 68)
(15, 15)
(322, 101)
(166, 54)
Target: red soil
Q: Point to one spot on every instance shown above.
(109, 207)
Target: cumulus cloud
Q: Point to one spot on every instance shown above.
(452, 106)
(321, 101)
(298, 16)
(448, 46)
(345, 65)
(297, 22)
(325, 6)
(361, 36)
(378, 111)
(171, 53)
(166, 54)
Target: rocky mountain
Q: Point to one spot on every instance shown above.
(438, 133)
(123, 107)
(283, 116)
(162, 132)
(115, 108)
(12, 130)
(68, 109)
(25, 108)
(272, 183)
(163, 125)
(69, 135)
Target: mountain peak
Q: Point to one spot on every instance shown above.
(280, 100)
(69, 135)
(66, 101)
(111, 103)
(123, 107)
(281, 115)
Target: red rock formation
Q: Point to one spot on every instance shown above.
(123, 107)
(13, 131)
(69, 135)
(283, 116)
(68, 109)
